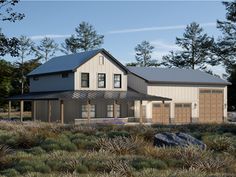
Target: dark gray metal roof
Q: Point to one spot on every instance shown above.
(129, 95)
(176, 75)
(69, 62)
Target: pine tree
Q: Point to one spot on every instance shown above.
(196, 50)
(86, 38)
(46, 49)
(143, 56)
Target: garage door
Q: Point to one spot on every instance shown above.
(182, 113)
(211, 104)
(161, 113)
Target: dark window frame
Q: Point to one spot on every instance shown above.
(104, 86)
(115, 80)
(83, 86)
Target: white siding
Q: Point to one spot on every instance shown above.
(93, 68)
(53, 82)
(137, 83)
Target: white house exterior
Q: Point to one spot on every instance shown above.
(93, 86)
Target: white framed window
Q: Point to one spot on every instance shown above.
(85, 111)
(101, 60)
(110, 110)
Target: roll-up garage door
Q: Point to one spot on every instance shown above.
(161, 113)
(211, 104)
(182, 113)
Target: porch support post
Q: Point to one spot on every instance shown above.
(88, 111)
(21, 110)
(62, 111)
(9, 109)
(49, 111)
(114, 109)
(33, 112)
(141, 112)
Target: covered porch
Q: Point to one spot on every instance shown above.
(84, 106)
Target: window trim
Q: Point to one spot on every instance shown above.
(81, 81)
(101, 60)
(114, 81)
(104, 80)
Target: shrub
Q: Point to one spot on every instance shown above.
(83, 141)
(37, 150)
(121, 145)
(141, 163)
(81, 169)
(10, 172)
(219, 143)
(114, 134)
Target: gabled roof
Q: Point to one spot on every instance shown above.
(176, 75)
(70, 62)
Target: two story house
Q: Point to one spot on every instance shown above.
(93, 86)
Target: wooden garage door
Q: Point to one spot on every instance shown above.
(161, 113)
(211, 104)
(182, 113)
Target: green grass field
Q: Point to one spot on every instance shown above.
(40, 149)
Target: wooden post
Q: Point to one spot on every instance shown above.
(9, 109)
(114, 109)
(49, 111)
(141, 112)
(88, 111)
(21, 110)
(33, 110)
(62, 111)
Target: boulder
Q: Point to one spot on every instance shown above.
(177, 139)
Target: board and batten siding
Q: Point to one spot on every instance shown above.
(184, 94)
(52, 82)
(93, 67)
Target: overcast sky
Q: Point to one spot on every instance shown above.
(124, 24)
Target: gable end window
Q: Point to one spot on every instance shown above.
(65, 75)
(85, 80)
(117, 80)
(101, 60)
(101, 80)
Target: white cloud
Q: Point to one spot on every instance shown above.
(54, 36)
(157, 28)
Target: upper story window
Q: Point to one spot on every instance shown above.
(35, 78)
(117, 80)
(85, 80)
(101, 80)
(65, 75)
(101, 60)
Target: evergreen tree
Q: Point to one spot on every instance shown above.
(226, 46)
(196, 50)
(25, 49)
(143, 56)
(46, 49)
(86, 38)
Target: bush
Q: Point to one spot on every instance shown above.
(37, 150)
(114, 134)
(10, 172)
(219, 143)
(83, 141)
(141, 163)
(81, 169)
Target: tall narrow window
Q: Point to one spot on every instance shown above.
(101, 60)
(101, 80)
(85, 111)
(85, 80)
(117, 80)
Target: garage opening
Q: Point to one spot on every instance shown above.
(161, 113)
(183, 113)
(211, 105)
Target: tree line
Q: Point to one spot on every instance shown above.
(197, 50)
